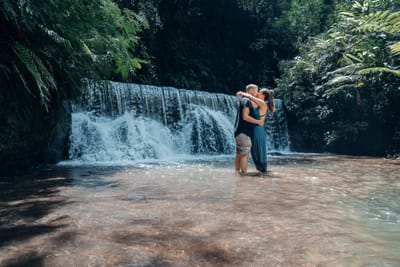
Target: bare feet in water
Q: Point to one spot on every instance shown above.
(257, 173)
(266, 173)
(239, 173)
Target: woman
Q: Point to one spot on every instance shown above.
(265, 103)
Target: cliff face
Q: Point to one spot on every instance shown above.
(58, 142)
(30, 135)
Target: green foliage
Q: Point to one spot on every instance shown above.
(395, 49)
(378, 70)
(49, 44)
(47, 48)
(307, 18)
(41, 75)
(148, 16)
(346, 74)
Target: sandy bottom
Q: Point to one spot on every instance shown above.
(313, 210)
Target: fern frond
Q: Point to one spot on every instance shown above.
(380, 21)
(392, 18)
(395, 49)
(22, 79)
(24, 55)
(56, 37)
(378, 70)
(45, 73)
(7, 10)
(381, 15)
(29, 60)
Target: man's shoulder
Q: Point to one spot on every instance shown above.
(244, 101)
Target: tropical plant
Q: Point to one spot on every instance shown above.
(48, 46)
(351, 73)
(46, 49)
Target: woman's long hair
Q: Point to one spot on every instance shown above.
(269, 99)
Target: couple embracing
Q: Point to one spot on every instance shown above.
(249, 128)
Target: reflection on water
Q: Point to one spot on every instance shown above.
(313, 210)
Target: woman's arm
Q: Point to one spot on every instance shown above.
(258, 101)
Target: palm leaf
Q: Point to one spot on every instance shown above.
(343, 79)
(349, 69)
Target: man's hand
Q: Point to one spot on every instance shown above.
(261, 122)
(239, 93)
(244, 94)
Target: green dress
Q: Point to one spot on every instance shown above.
(259, 145)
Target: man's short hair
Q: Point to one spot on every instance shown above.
(251, 86)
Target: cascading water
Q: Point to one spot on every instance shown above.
(276, 130)
(120, 121)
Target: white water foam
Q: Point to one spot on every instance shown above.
(134, 138)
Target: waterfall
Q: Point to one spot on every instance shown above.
(276, 130)
(120, 121)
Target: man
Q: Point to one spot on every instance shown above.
(244, 125)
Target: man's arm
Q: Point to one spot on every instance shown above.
(248, 118)
(258, 101)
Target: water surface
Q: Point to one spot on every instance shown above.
(313, 210)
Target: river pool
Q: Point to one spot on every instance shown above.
(312, 210)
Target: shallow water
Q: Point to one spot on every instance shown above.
(313, 210)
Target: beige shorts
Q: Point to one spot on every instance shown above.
(243, 144)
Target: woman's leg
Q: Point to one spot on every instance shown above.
(259, 151)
